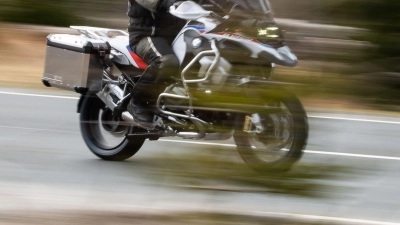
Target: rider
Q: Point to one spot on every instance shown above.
(151, 32)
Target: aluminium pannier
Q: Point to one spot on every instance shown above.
(75, 62)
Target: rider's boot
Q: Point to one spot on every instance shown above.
(141, 112)
(144, 97)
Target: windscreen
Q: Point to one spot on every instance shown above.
(258, 6)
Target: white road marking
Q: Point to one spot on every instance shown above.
(353, 155)
(310, 116)
(37, 129)
(230, 145)
(37, 95)
(306, 151)
(354, 119)
(286, 215)
(324, 218)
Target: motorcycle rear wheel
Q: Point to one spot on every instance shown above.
(281, 142)
(103, 136)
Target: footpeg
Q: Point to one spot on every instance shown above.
(150, 136)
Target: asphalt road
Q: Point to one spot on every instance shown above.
(45, 166)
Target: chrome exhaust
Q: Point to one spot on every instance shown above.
(126, 116)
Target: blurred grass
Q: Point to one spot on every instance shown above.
(38, 12)
(380, 17)
(170, 218)
(22, 52)
(331, 85)
(220, 169)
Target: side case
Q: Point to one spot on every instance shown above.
(75, 62)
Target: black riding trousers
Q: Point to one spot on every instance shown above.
(157, 53)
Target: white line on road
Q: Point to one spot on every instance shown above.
(300, 216)
(36, 129)
(310, 116)
(306, 151)
(324, 218)
(354, 119)
(231, 145)
(353, 155)
(37, 95)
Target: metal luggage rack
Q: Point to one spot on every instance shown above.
(99, 33)
(185, 81)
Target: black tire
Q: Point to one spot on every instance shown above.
(106, 144)
(285, 134)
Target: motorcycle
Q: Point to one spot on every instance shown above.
(225, 89)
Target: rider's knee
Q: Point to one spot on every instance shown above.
(169, 61)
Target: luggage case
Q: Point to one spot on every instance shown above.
(75, 62)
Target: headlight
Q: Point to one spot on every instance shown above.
(266, 32)
(270, 35)
(269, 32)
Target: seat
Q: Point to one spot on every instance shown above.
(140, 63)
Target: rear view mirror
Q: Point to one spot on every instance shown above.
(189, 11)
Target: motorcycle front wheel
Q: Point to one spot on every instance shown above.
(274, 134)
(105, 135)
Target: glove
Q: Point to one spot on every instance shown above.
(177, 3)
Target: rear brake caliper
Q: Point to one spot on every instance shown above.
(253, 120)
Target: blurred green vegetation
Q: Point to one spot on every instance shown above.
(377, 76)
(127, 217)
(367, 62)
(310, 10)
(359, 64)
(62, 12)
(380, 17)
(55, 13)
(221, 170)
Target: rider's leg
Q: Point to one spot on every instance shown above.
(157, 52)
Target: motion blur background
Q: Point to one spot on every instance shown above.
(348, 49)
(349, 54)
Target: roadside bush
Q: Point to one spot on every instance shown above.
(380, 17)
(54, 13)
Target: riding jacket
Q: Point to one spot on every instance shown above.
(151, 18)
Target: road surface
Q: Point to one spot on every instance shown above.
(45, 166)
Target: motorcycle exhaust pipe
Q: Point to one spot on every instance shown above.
(126, 116)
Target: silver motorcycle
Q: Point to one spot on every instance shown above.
(225, 88)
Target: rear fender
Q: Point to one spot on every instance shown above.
(80, 102)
